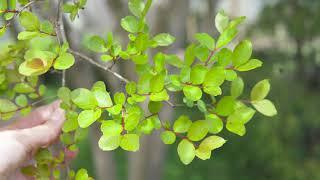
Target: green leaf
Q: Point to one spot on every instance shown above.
(234, 23)
(26, 35)
(111, 128)
(212, 90)
(131, 87)
(237, 87)
(198, 130)
(242, 115)
(131, 121)
(242, 53)
(130, 24)
(260, 90)
(140, 59)
(174, 83)
(87, 117)
(186, 151)
(226, 37)
(160, 96)
(202, 106)
(42, 89)
(64, 61)
(21, 100)
(174, 60)
(28, 170)
(142, 42)
(198, 74)
(43, 155)
(250, 65)
(189, 55)
(265, 107)
(231, 75)
(82, 3)
(115, 110)
(154, 107)
(109, 142)
(202, 53)
(84, 98)
(205, 40)
(185, 73)
(7, 106)
(106, 57)
(203, 153)
(212, 142)
(71, 123)
(82, 174)
(23, 88)
(119, 98)
(224, 57)
(29, 21)
(99, 86)
(146, 126)
(2, 31)
(68, 8)
(64, 94)
(143, 85)
(157, 83)
(37, 62)
(96, 44)
(182, 124)
(168, 137)
(3, 5)
(130, 142)
(214, 77)
(159, 62)
(215, 124)
(81, 134)
(136, 7)
(221, 21)
(226, 106)
(236, 127)
(66, 138)
(46, 27)
(193, 93)
(103, 98)
(164, 39)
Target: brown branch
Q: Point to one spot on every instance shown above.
(93, 62)
(210, 56)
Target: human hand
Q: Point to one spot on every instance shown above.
(20, 140)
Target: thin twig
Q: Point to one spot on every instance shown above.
(173, 105)
(93, 62)
(17, 13)
(61, 35)
(210, 56)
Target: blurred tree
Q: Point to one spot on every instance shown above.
(301, 20)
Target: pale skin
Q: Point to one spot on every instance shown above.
(20, 140)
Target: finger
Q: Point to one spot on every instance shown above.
(42, 135)
(36, 117)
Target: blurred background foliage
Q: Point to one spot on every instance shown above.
(285, 34)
